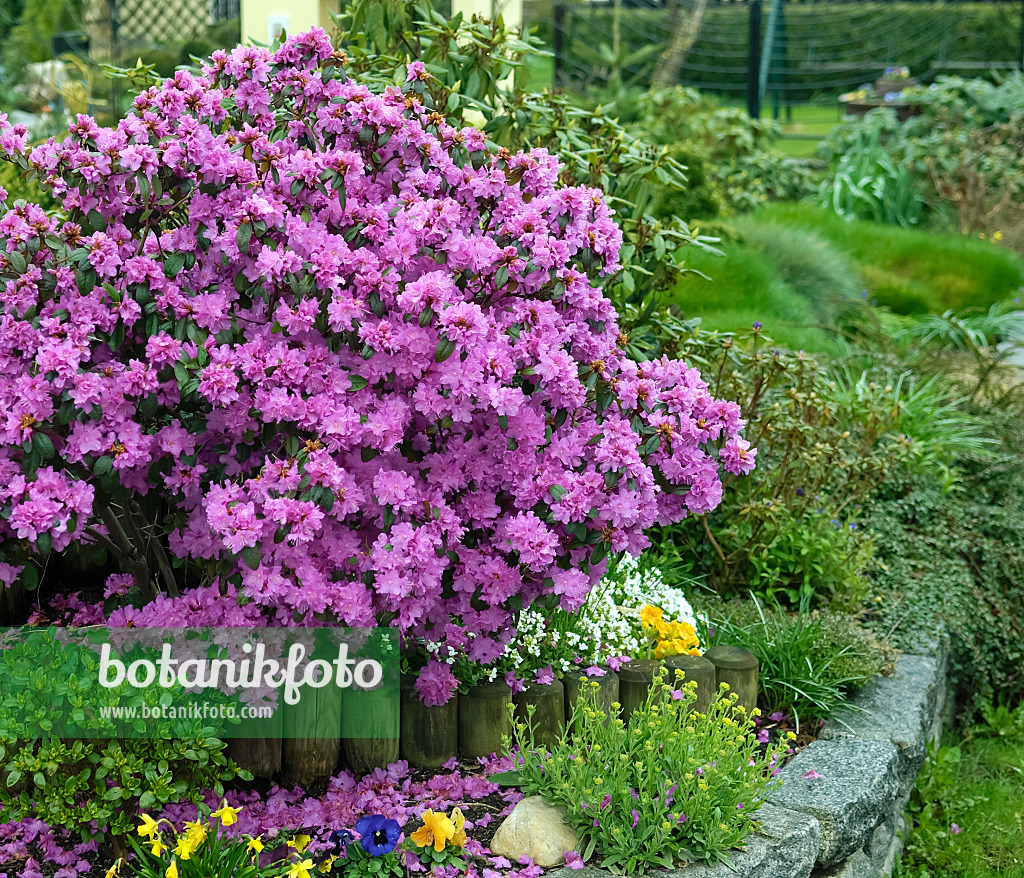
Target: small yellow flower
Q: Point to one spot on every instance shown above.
(327, 864)
(148, 827)
(227, 815)
(184, 847)
(791, 736)
(650, 615)
(437, 830)
(299, 843)
(172, 870)
(459, 839)
(255, 845)
(114, 870)
(157, 847)
(300, 870)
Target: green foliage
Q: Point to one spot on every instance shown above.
(179, 53)
(809, 662)
(910, 270)
(636, 782)
(961, 156)
(40, 20)
(952, 558)
(478, 77)
(965, 812)
(74, 780)
(735, 149)
(788, 531)
(867, 184)
(1001, 721)
(21, 187)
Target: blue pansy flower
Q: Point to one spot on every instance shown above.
(378, 834)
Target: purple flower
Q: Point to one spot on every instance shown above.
(762, 736)
(606, 801)
(595, 671)
(777, 717)
(378, 834)
(636, 817)
(812, 775)
(573, 860)
(739, 806)
(954, 829)
(545, 676)
(514, 683)
(757, 326)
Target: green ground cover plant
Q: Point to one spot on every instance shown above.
(810, 662)
(966, 810)
(670, 785)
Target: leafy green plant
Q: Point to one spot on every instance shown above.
(478, 77)
(809, 662)
(1002, 721)
(787, 532)
(868, 184)
(672, 785)
(88, 776)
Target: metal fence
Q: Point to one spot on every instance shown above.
(786, 51)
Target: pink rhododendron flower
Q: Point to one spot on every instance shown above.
(347, 368)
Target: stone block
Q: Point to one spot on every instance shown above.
(901, 709)
(857, 790)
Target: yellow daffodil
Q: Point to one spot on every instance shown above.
(300, 870)
(255, 845)
(196, 833)
(299, 843)
(114, 870)
(157, 847)
(148, 827)
(172, 870)
(459, 838)
(437, 830)
(184, 847)
(227, 815)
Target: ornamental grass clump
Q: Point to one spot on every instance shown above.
(296, 352)
(674, 785)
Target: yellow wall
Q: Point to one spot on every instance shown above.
(300, 15)
(296, 16)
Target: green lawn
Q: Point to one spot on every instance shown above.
(803, 123)
(794, 265)
(978, 787)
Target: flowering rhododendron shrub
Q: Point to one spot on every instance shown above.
(297, 352)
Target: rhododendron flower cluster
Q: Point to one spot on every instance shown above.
(353, 365)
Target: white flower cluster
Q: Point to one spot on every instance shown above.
(631, 587)
(606, 625)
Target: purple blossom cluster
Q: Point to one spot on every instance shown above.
(361, 362)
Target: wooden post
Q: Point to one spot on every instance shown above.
(261, 756)
(606, 695)
(738, 669)
(696, 669)
(484, 718)
(548, 718)
(312, 732)
(635, 681)
(430, 735)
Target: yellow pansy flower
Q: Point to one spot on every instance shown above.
(459, 839)
(437, 830)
